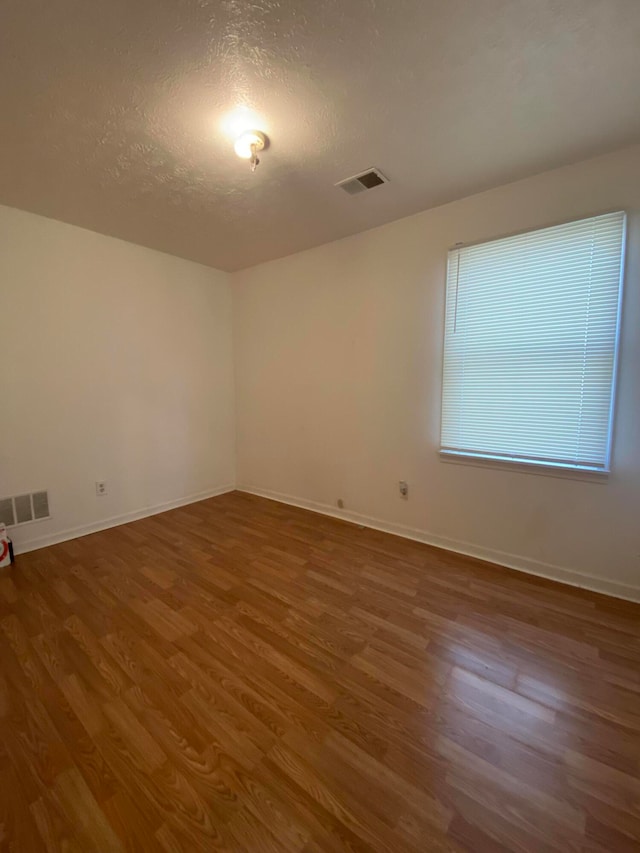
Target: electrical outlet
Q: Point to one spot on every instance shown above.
(404, 488)
(101, 488)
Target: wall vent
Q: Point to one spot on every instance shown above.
(362, 182)
(7, 515)
(22, 509)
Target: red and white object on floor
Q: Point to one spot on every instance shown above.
(5, 556)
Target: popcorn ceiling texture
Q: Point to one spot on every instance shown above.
(111, 110)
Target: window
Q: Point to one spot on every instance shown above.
(531, 336)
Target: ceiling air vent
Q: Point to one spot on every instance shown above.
(364, 181)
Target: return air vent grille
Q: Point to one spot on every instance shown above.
(40, 505)
(24, 508)
(362, 182)
(24, 512)
(7, 515)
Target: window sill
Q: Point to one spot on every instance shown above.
(540, 469)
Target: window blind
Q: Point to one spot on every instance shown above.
(530, 345)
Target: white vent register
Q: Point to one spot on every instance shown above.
(364, 181)
(21, 509)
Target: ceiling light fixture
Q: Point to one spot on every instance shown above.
(248, 144)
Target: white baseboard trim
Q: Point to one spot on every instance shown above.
(502, 558)
(116, 520)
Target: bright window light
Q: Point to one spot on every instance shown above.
(531, 337)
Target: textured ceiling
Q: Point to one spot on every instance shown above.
(112, 110)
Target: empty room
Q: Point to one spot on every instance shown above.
(320, 426)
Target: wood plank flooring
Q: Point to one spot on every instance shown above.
(241, 675)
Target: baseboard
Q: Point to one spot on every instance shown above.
(501, 558)
(116, 520)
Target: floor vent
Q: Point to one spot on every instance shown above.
(362, 182)
(22, 509)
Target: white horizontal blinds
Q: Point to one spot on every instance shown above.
(530, 343)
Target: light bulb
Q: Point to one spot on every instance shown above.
(240, 119)
(249, 143)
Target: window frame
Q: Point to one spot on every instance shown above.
(532, 466)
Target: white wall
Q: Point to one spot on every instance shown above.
(338, 372)
(116, 365)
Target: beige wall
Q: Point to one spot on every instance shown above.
(338, 372)
(116, 365)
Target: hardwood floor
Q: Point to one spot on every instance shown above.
(246, 676)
